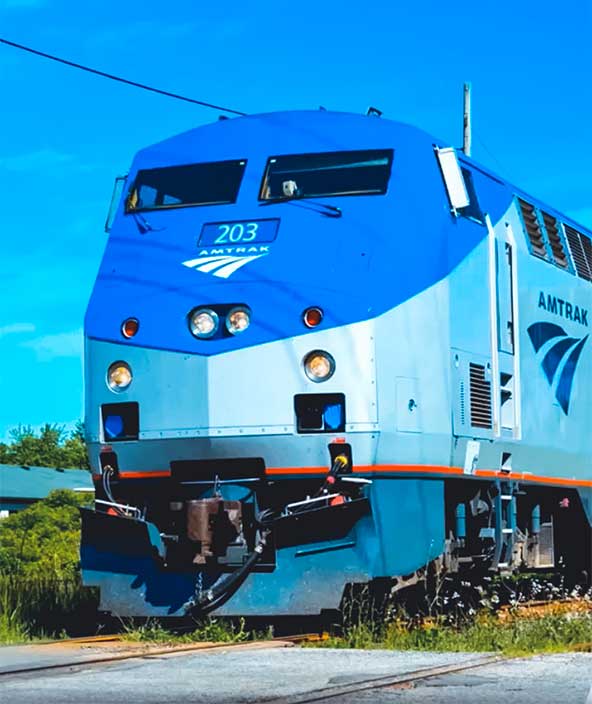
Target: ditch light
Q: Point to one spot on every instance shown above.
(121, 421)
(320, 413)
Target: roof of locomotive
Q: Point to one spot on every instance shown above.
(302, 131)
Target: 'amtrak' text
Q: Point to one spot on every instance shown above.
(566, 310)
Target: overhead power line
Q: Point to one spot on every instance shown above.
(501, 167)
(120, 79)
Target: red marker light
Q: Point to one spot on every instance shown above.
(130, 327)
(312, 317)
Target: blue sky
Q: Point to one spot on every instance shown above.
(66, 134)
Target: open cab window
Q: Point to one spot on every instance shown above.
(213, 183)
(363, 172)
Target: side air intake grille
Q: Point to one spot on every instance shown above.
(533, 229)
(546, 551)
(581, 252)
(480, 391)
(552, 228)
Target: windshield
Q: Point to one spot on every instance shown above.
(190, 184)
(363, 172)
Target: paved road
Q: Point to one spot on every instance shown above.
(550, 679)
(225, 676)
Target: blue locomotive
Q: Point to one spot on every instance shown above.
(326, 349)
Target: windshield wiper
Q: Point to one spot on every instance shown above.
(330, 211)
(143, 225)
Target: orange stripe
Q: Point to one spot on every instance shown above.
(422, 468)
(296, 470)
(145, 475)
(527, 477)
(396, 469)
(435, 469)
(365, 469)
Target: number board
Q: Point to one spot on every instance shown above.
(243, 232)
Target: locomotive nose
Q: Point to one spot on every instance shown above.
(319, 382)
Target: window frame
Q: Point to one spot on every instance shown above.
(388, 152)
(130, 211)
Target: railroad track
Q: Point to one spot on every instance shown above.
(540, 609)
(401, 680)
(62, 652)
(140, 651)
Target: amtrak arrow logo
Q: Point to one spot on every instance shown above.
(223, 265)
(566, 349)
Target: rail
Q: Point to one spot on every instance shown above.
(65, 658)
(401, 680)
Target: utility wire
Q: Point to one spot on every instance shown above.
(120, 79)
(502, 168)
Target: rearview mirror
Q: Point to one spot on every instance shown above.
(115, 198)
(453, 178)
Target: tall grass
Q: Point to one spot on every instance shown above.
(514, 634)
(36, 607)
(486, 634)
(455, 627)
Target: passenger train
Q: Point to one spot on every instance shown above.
(327, 349)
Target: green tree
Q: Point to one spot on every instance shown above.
(43, 540)
(51, 447)
(74, 449)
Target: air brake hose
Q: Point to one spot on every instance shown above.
(227, 586)
(222, 590)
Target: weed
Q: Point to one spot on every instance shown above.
(210, 631)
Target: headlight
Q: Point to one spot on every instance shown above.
(119, 376)
(203, 322)
(319, 365)
(238, 320)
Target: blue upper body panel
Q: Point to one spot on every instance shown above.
(382, 251)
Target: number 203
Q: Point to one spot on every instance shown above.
(237, 233)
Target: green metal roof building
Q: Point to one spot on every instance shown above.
(22, 486)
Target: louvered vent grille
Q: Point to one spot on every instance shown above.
(587, 247)
(480, 391)
(559, 254)
(546, 556)
(533, 229)
(581, 252)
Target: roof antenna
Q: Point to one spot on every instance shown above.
(375, 112)
(467, 119)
